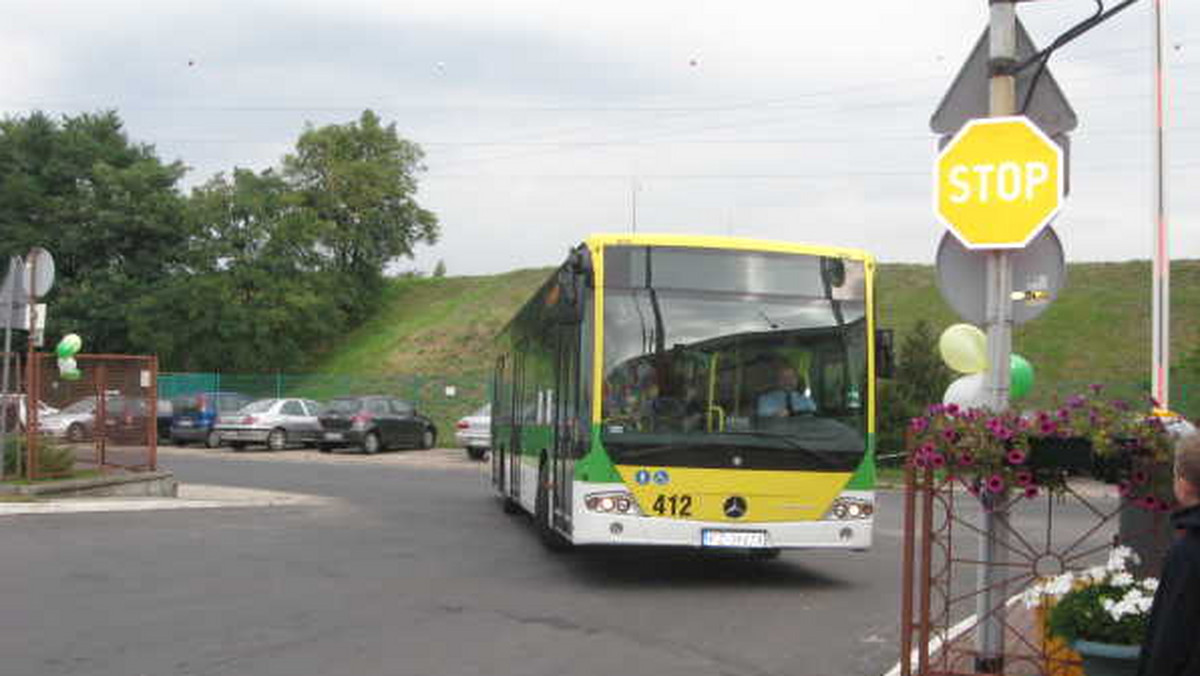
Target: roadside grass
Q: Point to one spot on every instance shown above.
(78, 474)
(889, 477)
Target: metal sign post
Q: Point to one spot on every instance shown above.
(990, 607)
(39, 278)
(8, 296)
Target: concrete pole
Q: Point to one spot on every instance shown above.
(1149, 534)
(991, 592)
(1161, 351)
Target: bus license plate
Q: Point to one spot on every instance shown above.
(734, 538)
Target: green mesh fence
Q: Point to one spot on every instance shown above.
(444, 399)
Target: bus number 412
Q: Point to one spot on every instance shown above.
(673, 505)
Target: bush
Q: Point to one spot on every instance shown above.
(54, 459)
(921, 378)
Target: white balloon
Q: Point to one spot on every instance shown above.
(967, 392)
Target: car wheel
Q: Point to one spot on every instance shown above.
(237, 445)
(428, 439)
(476, 453)
(178, 442)
(277, 440)
(324, 448)
(213, 439)
(370, 443)
(75, 432)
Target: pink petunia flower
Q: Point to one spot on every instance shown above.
(1140, 477)
(1024, 478)
(1016, 457)
(937, 460)
(1031, 492)
(918, 425)
(1124, 488)
(966, 459)
(995, 483)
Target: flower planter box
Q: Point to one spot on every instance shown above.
(1107, 659)
(1071, 454)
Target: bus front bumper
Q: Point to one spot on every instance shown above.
(605, 529)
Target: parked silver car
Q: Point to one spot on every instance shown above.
(74, 422)
(474, 432)
(275, 423)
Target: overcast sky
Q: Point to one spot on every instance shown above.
(544, 121)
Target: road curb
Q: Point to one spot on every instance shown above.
(192, 496)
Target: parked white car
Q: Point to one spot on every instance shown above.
(275, 423)
(474, 432)
(73, 422)
(13, 406)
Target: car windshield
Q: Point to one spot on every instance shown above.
(764, 353)
(260, 406)
(81, 406)
(343, 406)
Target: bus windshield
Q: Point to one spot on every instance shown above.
(719, 357)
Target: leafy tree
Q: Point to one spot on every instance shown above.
(921, 379)
(254, 295)
(439, 270)
(106, 208)
(360, 179)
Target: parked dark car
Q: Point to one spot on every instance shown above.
(165, 412)
(374, 423)
(193, 416)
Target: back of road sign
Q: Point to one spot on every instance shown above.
(967, 98)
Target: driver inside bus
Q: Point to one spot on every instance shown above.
(784, 398)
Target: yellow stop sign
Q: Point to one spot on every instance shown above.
(998, 183)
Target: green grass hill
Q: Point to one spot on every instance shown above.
(1098, 331)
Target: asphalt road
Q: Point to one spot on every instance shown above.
(414, 569)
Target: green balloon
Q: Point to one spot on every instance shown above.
(69, 346)
(1020, 376)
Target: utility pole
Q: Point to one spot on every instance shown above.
(1161, 338)
(991, 591)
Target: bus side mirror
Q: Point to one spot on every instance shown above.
(885, 356)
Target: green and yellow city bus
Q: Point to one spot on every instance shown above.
(630, 396)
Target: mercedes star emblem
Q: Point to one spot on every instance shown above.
(735, 507)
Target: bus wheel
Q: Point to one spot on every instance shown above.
(541, 514)
(509, 505)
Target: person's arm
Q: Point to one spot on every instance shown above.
(1175, 618)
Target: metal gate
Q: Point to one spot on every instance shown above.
(107, 419)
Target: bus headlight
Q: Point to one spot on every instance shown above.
(846, 509)
(612, 502)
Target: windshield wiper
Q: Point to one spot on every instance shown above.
(786, 438)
